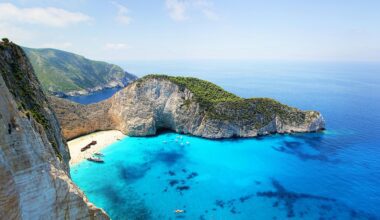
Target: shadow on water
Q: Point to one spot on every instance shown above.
(288, 198)
(328, 207)
(133, 172)
(295, 204)
(169, 157)
(304, 143)
(131, 205)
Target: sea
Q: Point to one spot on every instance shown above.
(334, 174)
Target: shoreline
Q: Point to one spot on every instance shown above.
(103, 139)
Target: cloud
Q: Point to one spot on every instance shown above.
(122, 13)
(50, 16)
(15, 33)
(207, 9)
(116, 46)
(179, 9)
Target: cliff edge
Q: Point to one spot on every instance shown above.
(185, 105)
(34, 172)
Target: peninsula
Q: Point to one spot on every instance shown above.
(185, 105)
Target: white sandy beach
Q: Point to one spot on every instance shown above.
(103, 139)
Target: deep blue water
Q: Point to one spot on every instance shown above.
(94, 97)
(329, 175)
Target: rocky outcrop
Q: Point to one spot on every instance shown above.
(184, 105)
(112, 83)
(34, 173)
(77, 120)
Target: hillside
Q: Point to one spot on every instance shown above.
(64, 73)
(185, 105)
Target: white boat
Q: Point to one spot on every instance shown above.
(179, 211)
(96, 160)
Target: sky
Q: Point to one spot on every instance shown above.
(124, 30)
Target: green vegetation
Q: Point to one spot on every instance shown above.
(4, 43)
(206, 93)
(222, 105)
(60, 71)
(5, 40)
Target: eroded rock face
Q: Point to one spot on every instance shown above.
(151, 104)
(34, 172)
(77, 120)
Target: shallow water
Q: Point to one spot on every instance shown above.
(329, 175)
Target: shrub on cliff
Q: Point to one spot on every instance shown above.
(5, 40)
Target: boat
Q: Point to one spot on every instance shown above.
(88, 146)
(99, 154)
(96, 160)
(85, 148)
(179, 211)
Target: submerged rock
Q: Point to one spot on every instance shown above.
(185, 105)
(34, 173)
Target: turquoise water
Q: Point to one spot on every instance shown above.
(329, 175)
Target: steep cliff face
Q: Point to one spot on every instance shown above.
(77, 120)
(34, 172)
(186, 105)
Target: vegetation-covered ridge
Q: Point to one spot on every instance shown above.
(205, 92)
(222, 105)
(64, 72)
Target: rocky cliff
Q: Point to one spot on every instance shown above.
(34, 172)
(77, 120)
(185, 105)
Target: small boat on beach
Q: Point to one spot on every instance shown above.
(96, 160)
(85, 148)
(88, 146)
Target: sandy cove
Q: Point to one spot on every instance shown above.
(103, 139)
